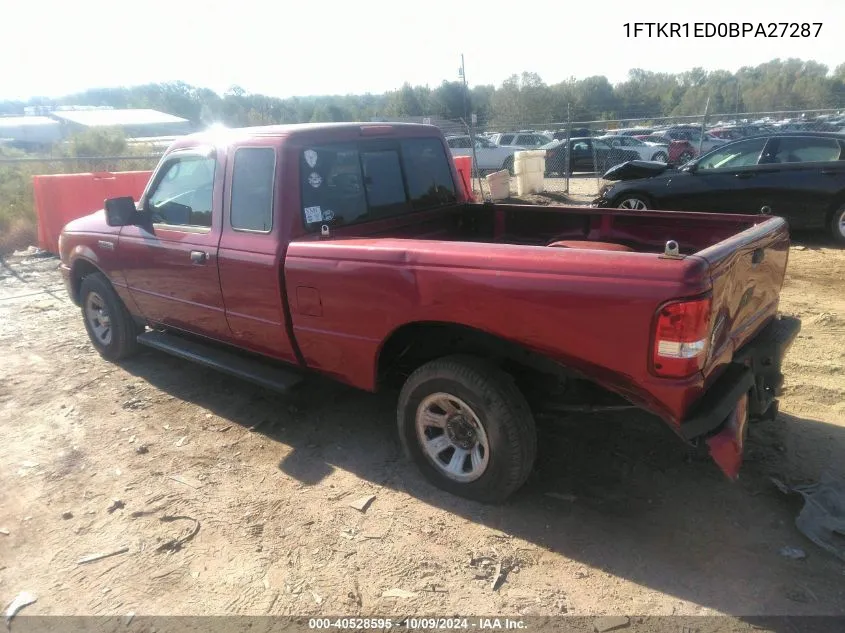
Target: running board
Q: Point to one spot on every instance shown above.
(275, 378)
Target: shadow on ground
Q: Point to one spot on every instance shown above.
(643, 508)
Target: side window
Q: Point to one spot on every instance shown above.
(347, 183)
(741, 154)
(383, 182)
(332, 188)
(506, 139)
(183, 194)
(252, 188)
(806, 150)
(429, 176)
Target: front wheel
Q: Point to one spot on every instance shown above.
(660, 157)
(837, 225)
(468, 428)
(110, 327)
(633, 203)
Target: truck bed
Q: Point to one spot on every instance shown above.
(591, 309)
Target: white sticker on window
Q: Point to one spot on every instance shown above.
(311, 158)
(328, 215)
(315, 179)
(313, 214)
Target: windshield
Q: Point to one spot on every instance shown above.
(741, 154)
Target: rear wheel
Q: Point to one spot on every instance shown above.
(685, 157)
(468, 428)
(634, 202)
(837, 225)
(110, 327)
(660, 157)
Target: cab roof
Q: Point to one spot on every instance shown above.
(317, 131)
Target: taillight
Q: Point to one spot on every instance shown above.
(681, 338)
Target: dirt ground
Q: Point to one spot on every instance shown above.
(97, 457)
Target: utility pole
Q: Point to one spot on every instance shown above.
(469, 123)
(703, 126)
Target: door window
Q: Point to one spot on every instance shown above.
(741, 154)
(506, 139)
(806, 150)
(252, 189)
(183, 194)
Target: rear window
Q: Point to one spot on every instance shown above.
(358, 182)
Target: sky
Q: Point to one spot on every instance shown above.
(308, 47)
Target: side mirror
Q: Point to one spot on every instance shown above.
(120, 211)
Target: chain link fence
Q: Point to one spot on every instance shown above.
(579, 153)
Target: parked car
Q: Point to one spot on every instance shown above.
(645, 151)
(587, 154)
(580, 132)
(631, 131)
(797, 175)
(679, 151)
(525, 140)
(693, 135)
(350, 251)
(488, 155)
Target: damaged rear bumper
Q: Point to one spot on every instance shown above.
(746, 390)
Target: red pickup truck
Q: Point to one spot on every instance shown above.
(349, 250)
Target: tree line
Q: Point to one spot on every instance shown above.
(790, 84)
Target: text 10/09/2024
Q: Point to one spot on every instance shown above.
(723, 29)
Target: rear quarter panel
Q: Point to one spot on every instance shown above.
(745, 294)
(591, 311)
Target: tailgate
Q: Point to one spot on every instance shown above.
(747, 273)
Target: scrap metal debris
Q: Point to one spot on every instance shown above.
(95, 557)
(795, 553)
(822, 519)
(23, 599)
(116, 504)
(175, 544)
(188, 481)
(611, 623)
(363, 503)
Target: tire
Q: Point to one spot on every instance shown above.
(685, 157)
(837, 225)
(661, 157)
(110, 327)
(633, 202)
(501, 449)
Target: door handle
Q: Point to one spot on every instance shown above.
(199, 257)
(829, 172)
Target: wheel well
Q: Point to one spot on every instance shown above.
(838, 203)
(80, 270)
(414, 344)
(634, 194)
